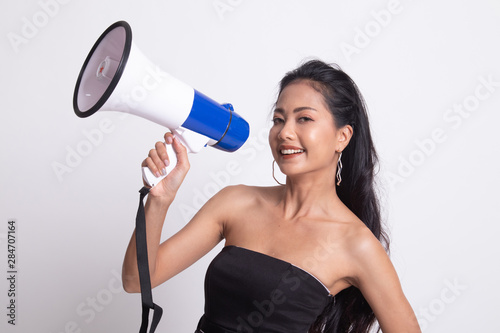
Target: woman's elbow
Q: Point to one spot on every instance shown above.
(130, 290)
(130, 285)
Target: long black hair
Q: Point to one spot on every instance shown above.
(348, 312)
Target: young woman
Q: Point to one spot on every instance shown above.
(305, 256)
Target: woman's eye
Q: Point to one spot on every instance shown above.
(304, 119)
(277, 121)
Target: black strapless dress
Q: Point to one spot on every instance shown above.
(251, 292)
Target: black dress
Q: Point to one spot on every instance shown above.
(251, 292)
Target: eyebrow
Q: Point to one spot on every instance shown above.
(301, 108)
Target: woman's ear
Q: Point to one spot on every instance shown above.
(343, 137)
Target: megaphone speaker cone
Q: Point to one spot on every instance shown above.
(102, 69)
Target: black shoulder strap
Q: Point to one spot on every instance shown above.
(143, 266)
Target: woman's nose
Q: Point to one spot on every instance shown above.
(287, 131)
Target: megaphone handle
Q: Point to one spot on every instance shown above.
(150, 178)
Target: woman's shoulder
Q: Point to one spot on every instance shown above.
(362, 240)
(363, 248)
(241, 193)
(231, 201)
(238, 197)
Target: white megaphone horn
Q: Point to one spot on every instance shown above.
(116, 76)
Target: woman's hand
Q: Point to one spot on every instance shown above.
(158, 160)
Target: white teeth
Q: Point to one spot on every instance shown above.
(291, 151)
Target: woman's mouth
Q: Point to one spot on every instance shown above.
(290, 152)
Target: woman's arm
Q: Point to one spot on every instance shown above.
(378, 282)
(197, 238)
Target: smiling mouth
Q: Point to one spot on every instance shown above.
(291, 151)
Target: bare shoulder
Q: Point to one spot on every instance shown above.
(244, 194)
(363, 242)
(365, 251)
(237, 198)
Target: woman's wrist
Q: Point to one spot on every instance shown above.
(159, 202)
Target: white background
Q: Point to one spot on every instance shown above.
(416, 62)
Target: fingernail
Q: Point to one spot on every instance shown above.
(167, 163)
(169, 140)
(157, 174)
(164, 172)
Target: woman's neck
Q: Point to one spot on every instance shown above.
(306, 196)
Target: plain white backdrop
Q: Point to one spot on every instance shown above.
(430, 74)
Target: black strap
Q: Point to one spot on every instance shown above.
(143, 266)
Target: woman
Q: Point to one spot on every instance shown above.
(305, 256)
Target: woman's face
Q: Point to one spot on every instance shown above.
(303, 137)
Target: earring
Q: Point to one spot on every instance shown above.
(274, 161)
(339, 169)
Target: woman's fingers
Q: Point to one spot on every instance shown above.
(162, 158)
(163, 150)
(157, 159)
(180, 153)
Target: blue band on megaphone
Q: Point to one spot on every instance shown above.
(207, 117)
(236, 135)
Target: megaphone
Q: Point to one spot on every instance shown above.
(116, 76)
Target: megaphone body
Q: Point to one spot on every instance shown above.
(116, 76)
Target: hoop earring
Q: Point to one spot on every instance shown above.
(339, 169)
(274, 161)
